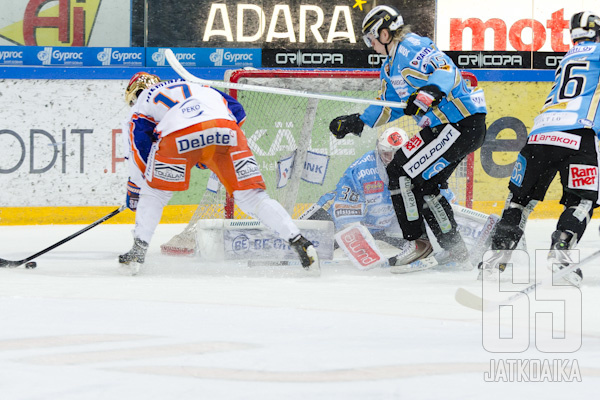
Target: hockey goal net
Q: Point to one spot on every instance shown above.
(299, 158)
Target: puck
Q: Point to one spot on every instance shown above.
(31, 265)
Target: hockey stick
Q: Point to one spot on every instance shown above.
(475, 302)
(185, 74)
(13, 264)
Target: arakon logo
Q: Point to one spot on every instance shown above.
(53, 23)
(525, 34)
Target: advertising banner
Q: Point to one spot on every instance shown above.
(318, 58)
(65, 23)
(72, 56)
(206, 57)
(323, 30)
(509, 26)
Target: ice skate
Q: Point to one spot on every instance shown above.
(307, 253)
(415, 256)
(558, 257)
(490, 265)
(131, 261)
(456, 258)
(411, 251)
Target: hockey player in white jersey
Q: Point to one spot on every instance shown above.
(176, 125)
(563, 140)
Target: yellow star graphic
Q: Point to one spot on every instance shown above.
(359, 4)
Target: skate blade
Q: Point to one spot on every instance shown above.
(415, 266)
(130, 269)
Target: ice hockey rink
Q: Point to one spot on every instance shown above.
(74, 328)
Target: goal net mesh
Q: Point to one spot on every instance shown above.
(299, 158)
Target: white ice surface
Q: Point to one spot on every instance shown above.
(74, 328)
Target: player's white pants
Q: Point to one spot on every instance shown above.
(149, 210)
(258, 204)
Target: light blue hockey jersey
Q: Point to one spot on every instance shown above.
(574, 101)
(415, 63)
(362, 195)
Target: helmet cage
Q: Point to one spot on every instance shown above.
(137, 83)
(389, 142)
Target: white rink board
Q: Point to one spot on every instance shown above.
(57, 142)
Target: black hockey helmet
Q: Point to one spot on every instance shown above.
(378, 18)
(585, 26)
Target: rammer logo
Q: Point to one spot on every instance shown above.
(583, 177)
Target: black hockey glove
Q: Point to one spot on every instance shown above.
(423, 99)
(341, 126)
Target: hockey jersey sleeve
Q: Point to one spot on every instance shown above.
(346, 202)
(235, 107)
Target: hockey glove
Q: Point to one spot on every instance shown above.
(133, 196)
(423, 99)
(341, 126)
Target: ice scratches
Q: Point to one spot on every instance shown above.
(337, 375)
(65, 340)
(135, 353)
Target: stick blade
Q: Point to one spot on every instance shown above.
(9, 264)
(468, 299)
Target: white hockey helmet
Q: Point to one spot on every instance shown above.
(585, 25)
(389, 142)
(378, 18)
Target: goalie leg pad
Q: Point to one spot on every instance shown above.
(359, 246)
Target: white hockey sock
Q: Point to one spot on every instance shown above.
(259, 205)
(149, 210)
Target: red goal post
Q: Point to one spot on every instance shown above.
(281, 125)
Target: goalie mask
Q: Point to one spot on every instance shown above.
(585, 26)
(389, 142)
(379, 18)
(137, 83)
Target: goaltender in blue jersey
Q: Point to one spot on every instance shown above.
(362, 196)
